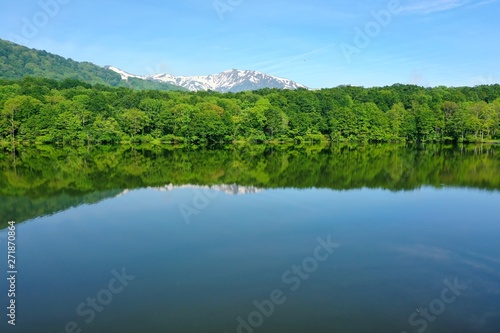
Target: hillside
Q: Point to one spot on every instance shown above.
(17, 61)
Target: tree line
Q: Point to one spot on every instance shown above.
(39, 110)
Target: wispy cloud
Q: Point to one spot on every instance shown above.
(482, 3)
(431, 6)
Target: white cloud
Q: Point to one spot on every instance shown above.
(430, 6)
(483, 3)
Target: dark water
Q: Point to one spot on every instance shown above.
(255, 239)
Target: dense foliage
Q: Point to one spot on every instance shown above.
(71, 112)
(46, 179)
(17, 62)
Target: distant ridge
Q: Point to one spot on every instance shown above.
(232, 80)
(17, 61)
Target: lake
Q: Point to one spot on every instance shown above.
(342, 238)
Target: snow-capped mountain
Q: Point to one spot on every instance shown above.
(122, 73)
(232, 80)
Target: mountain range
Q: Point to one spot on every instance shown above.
(232, 80)
(17, 61)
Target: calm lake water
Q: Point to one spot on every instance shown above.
(253, 239)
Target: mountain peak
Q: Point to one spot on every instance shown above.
(230, 80)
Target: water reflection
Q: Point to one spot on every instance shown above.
(396, 250)
(41, 181)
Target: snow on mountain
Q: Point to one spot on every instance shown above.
(123, 74)
(232, 80)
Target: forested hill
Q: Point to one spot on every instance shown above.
(17, 61)
(36, 110)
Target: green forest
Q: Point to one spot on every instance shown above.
(17, 62)
(71, 112)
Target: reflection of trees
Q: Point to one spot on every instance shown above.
(47, 173)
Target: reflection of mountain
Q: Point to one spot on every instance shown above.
(47, 180)
(233, 189)
(24, 208)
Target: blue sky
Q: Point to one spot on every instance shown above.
(318, 43)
